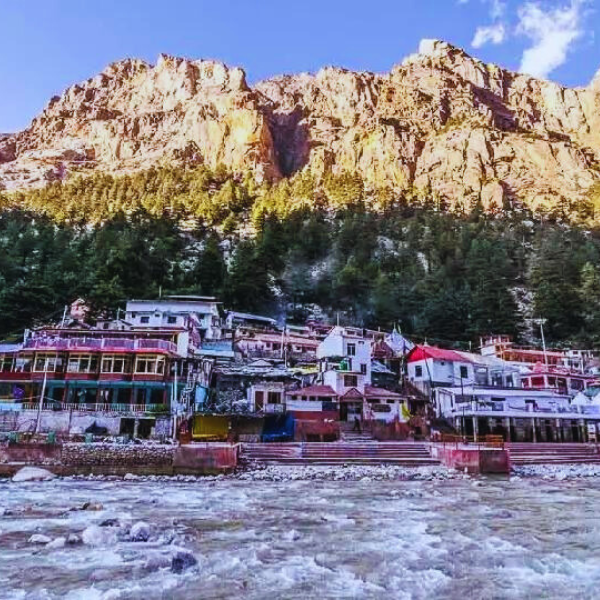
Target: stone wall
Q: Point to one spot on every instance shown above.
(66, 422)
(383, 431)
(120, 459)
(116, 456)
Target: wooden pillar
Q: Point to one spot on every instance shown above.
(534, 432)
(475, 428)
(508, 429)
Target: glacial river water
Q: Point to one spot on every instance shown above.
(455, 539)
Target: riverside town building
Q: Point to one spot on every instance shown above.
(183, 366)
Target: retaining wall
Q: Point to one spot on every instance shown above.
(473, 459)
(116, 459)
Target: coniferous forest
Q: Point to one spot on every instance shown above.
(376, 258)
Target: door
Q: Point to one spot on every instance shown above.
(259, 400)
(343, 411)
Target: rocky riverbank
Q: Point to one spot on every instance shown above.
(557, 472)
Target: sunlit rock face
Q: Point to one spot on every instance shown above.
(441, 122)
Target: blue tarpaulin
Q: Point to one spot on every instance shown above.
(278, 428)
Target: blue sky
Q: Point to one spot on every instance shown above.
(49, 44)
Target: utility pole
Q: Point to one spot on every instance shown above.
(541, 322)
(62, 323)
(38, 421)
(173, 405)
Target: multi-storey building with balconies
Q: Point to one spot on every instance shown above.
(132, 372)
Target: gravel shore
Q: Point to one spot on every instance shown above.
(557, 472)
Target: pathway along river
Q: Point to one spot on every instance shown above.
(463, 539)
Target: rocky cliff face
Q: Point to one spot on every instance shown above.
(441, 121)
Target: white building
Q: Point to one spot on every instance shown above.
(429, 367)
(522, 415)
(173, 311)
(347, 345)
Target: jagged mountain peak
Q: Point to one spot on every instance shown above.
(441, 121)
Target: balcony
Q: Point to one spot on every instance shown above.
(99, 407)
(84, 344)
(528, 410)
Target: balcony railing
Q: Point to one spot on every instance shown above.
(95, 344)
(99, 407)
(500, 407)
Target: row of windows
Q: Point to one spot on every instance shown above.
(170, 320)
(560, 382)
(464, 371)
(85, 363)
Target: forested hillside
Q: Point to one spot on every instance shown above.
(376, 258)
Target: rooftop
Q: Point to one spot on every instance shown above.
(313, 390)
(182, 298)
(425, 352)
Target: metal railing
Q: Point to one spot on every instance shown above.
(528, 409)
(104, 344)
(98, 407)
(482, 441)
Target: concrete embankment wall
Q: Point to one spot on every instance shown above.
(115, 459)
(66, 422)
(473, 459)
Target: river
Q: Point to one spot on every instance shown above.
(453, 539)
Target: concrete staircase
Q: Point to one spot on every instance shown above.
(339, 453)
(552, 454)
(347, 434)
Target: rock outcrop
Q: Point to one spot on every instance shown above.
(441, 122)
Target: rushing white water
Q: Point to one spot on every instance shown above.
(453, 539)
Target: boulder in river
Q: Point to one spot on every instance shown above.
(182, 560)
(39, 538)
(157, 561)
(98, 536)
(140, 532)
(59, 542)
(32, 474)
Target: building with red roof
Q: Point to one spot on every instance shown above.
(429, 367)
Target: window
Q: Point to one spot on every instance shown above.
(82, 363)
(144, 319)
(23, 364)
(105, 325)
(274, 397)
(48, 363)
(171, 320)
(6, 362)
(363, 369)
(152, 365)
(464, 372)
(350, 380)
(418, 371)
(115, 363)
(351, 349)
(576, 384)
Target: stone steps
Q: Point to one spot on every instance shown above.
(548, 453)
(331, 461)
(339, 453)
